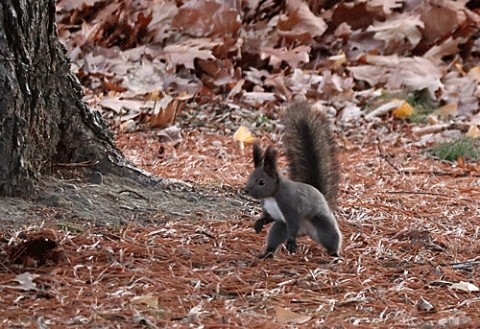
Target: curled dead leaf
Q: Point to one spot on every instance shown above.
(424, 304)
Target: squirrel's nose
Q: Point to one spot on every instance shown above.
(246, 190)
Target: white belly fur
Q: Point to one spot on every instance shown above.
(271, 207)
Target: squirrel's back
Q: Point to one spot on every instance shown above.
(311, 151)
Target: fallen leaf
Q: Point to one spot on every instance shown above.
(446, 48)
(301, 19)
(398, 28)
(439, 22)
(415, 73)
(293, 57)
(243, 136)
(465, 286)
(169, 134)
(185, 54)
(403, 111)
(424, 304)
(286, 316)
(165, 112)
(207, 18)
(26, 280)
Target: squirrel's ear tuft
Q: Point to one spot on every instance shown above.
(270, 162)
(257, 155)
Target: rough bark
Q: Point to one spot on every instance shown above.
(43, 120)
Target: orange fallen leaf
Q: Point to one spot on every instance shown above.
(403, 111)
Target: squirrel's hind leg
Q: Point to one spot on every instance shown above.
(276, 236)
(326, 232)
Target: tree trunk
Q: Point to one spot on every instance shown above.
(43, 120)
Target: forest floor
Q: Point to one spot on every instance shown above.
(184, 255)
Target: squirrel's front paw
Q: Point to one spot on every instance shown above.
(258, 225)
(291, 246)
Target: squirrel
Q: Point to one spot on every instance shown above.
(303, 204)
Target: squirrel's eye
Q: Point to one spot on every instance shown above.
(261, 182)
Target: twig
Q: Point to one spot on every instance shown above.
(467, 264)
(385, 157)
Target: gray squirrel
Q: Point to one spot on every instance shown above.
(303, 204)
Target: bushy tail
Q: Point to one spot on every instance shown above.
(311, 150)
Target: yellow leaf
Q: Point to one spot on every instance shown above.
(286, 316)
(473, 132)
(243, 135)
(405, 110)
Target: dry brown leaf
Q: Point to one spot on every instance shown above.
(301, 20)
(415, 73)
(398, 28)
(217, 72)
(165, 112)
(439, 22)
(285, 316)
(206, 18)
(68, 5)
(354, 14)
(447, 47)
(461, 90)
(185, 54)
(159, 28)
(294, 57)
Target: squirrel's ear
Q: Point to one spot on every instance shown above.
(257, 155)
(270, 162)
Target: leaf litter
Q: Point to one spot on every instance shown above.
(410, 228)
(123, 50)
